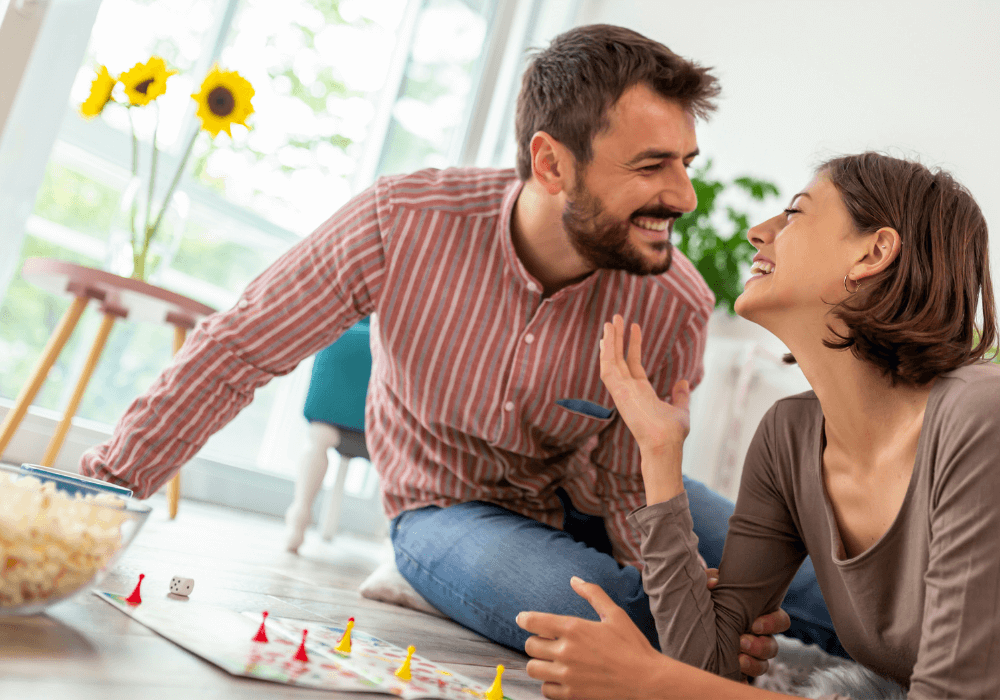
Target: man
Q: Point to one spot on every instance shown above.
(504, 467)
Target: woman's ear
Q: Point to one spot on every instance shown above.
(882, 248)
(551, 163)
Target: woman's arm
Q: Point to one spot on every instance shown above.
(581, 659)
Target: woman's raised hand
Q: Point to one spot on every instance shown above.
(655, 424)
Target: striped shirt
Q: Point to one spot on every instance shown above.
(481, 387)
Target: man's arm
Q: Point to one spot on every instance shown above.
(296, 307)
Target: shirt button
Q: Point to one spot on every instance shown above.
(529, 339)
(509, 406)
(243, 303)
(532, 287)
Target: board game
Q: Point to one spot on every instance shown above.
(297, 652)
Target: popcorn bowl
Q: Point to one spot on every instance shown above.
(60, 533)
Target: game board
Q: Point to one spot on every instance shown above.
(225, 638)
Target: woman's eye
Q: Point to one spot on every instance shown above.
(790, 211)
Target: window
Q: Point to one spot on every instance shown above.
(323, 117)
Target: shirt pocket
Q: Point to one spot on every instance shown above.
(587, 408)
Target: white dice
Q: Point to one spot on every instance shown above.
(181, 586)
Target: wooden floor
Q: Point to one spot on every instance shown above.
(85, 649)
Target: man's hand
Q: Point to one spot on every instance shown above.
(758, 648)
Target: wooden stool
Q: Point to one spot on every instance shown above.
(119, 297)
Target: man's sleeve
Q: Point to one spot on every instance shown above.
(619, 480)
(296, 307)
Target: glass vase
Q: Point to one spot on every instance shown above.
(135, 249)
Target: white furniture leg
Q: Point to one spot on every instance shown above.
(312, 469)
(331, 515)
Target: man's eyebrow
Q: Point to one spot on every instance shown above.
(652, 153)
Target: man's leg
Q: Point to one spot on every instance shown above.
(482, 564)
(811, 622)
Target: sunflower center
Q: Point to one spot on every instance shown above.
(221, 102)
(143, 86)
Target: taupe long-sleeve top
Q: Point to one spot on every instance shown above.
(920, 606)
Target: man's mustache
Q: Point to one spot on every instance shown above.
(658, 213)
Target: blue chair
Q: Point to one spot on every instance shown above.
(335, 409)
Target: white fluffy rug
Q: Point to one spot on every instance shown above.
(807, 671)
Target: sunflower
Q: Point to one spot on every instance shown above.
(144, 82)
(100, 93)
(224, 100)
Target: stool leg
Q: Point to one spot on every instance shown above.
(312, 469)
(174, 486)
(45, 362)
(56, 442)
(331, 516)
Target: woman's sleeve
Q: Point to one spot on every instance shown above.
(959, 653)
(762, 553)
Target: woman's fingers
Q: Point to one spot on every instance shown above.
(546, 625)
(634, 362)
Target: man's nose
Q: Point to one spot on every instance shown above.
(678, 191)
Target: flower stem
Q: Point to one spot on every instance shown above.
(177, 178)
(135, 172)
(152, 186)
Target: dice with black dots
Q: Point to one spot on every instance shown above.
(181, 586)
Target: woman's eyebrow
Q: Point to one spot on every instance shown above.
(800, 194)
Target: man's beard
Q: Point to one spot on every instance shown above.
(603, 240)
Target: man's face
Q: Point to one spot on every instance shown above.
(621, 211)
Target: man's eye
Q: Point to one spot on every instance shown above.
(650, 168)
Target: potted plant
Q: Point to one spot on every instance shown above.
(721, 255)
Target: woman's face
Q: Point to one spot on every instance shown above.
(803, 254)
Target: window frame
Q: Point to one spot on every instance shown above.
(515, 25)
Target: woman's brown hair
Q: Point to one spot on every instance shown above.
(915, 319)
(568, 88)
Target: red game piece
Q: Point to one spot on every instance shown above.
(135, 599)
(261, 634)
(300, 655)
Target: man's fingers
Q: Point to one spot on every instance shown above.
(762, 648)
(713, 577)
(595, 595)
(772, 623)
(753, 667)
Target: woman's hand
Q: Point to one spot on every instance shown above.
(577, 658)
(656, 425)
(659, 427)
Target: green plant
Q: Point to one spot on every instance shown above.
(720, 256)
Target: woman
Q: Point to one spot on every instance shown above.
(887, 473)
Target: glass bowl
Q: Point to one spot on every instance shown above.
(60, 533)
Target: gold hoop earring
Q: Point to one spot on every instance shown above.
(856, 289)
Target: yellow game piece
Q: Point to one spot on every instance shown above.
(496, 692)
(404, 671)
(344, 645)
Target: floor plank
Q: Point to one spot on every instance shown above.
(84, 648)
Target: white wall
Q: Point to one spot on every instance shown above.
(804, 80)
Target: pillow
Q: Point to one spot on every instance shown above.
(387, 585)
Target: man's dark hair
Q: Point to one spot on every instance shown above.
(569, 87)
(915, 319)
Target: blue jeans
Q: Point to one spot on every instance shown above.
(482, 564)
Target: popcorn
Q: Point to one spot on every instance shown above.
(51, 544)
